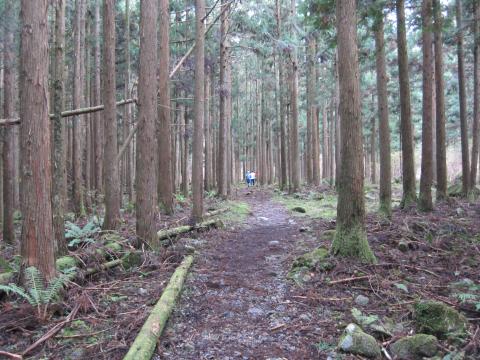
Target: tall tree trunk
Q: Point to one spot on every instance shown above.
(310, 74)
(373, 147)
(408, 168)
(476, 96)
(127, 109)
(336, 104)
(384, 125)
(185, 147)
(146, 179)
(208, 141)
(324, 143)
(111, 175)
(294, 148)
(440, 105)
(78, 102)
(59, 171)
(283, 140)
(462, 99)
(37, 239)
(350, 237)
(165, 190)
(8, 164)
(197, 161)
(98, 122)
(425, 197)
(225, 98)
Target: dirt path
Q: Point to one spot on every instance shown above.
(236, 304)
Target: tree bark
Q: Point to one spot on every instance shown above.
(127, 110)
(37, 239)
(98, 125)
(425, 197)
(384, 125)
(462, 99)
(283, 140)
(225, 88)
(408, 168)
(165, 190)
(78, 102)
(111, 175)
(373, 147)
(197, 161)
(59, 170)
(8, 164)
(441, 154)
(350, 237)
(476, 96)
(294, 148)
(146, 179)
(311, 84)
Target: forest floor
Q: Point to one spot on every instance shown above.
(240, 299)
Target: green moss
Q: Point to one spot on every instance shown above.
(66, 262)
(441, 320)
(415, 347)
(408, 200)
(353, 242)
(355, 341)
(385, 208)
(238, 212)
(315, 259)
(315, 206)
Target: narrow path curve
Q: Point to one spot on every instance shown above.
(236, 302)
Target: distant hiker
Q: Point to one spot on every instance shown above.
(252, 178)
(247, 178)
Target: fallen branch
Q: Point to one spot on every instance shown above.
(11, 355)
(146, 340)
(69, 113)
(127, 141)
(349, 279)
(53, 330)
(168, 233)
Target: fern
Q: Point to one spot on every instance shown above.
(35, 291)
(470, 294)
(80, 235)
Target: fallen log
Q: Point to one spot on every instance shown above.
(216, 212)
(146, 340)
(169, 233)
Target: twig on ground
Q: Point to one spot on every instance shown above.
(349, 279)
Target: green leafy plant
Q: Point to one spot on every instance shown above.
(78, 235)
(470, 292)
(37, 291)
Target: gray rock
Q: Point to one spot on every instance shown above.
(415, 347)
(142, 291)
(362, 300)
(255, 312)
(402, 246)
(273, 243)
(436, 318)
(355, 341)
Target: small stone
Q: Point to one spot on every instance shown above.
(362, 300)
(459, 211)
(355, 341)
(415, 347)
(299, 209)
(142, 291)
(263, 218)
(402, 246)
(305, 317)
(305, 229)
(273, 243)
(255, 312)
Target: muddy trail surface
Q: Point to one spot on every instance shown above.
(237, 302)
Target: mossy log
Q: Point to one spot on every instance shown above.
(146, 340)
(168, 233)
(216, 212)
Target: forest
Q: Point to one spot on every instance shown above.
(235, 179)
